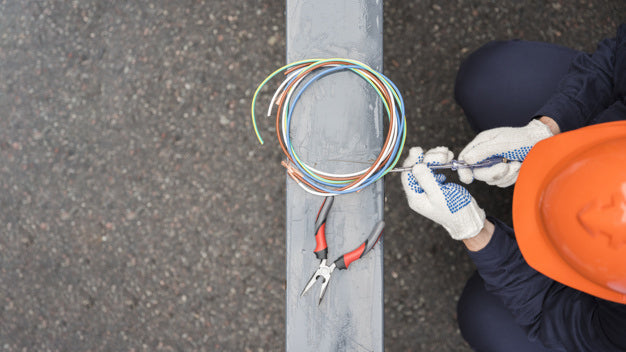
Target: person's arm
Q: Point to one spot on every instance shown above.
(587, 88)
(559, 316)
(584, 96)
(552, 125)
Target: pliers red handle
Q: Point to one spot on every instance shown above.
(321, 249)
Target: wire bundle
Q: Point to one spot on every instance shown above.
(299, 76)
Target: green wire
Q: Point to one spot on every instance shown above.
(314, 65)
(256, 93)
(297, 158)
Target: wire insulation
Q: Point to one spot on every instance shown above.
(299, 76)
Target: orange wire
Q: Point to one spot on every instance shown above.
(295, 173)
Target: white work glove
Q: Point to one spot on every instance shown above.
(447, 204)
(512, 143)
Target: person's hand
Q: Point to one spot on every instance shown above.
(447, 204)
(512, 143)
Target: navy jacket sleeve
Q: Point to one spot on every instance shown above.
(589, 87)
(562, 318)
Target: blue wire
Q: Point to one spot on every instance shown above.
(373, 177)
(400, 121)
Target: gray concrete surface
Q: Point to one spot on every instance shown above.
(138, 213)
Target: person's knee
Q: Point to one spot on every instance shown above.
(476, 73)
(469, 308)
(475, 314)
(481, 84)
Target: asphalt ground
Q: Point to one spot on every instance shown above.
(139, 213)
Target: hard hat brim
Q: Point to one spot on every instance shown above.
(535, 174)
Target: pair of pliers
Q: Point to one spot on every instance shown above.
(321, 250)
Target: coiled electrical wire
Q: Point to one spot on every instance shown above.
(299, 76)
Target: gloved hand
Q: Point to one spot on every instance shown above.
(513, 143)
(447, 204)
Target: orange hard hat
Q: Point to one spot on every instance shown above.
(569, 209)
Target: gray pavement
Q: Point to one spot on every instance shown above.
(138, 212)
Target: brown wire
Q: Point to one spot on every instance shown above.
(294, 172)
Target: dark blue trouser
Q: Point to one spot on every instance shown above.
(503, 84)
(487, 325)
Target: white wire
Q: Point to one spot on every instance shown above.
(388, 147)
(280, 88)
(385, 153)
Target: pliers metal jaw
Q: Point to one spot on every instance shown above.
(324, 271)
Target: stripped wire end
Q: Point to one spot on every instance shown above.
(277, 102)
(280, 98)
(291, 170)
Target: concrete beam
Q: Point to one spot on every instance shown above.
(337, 126)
